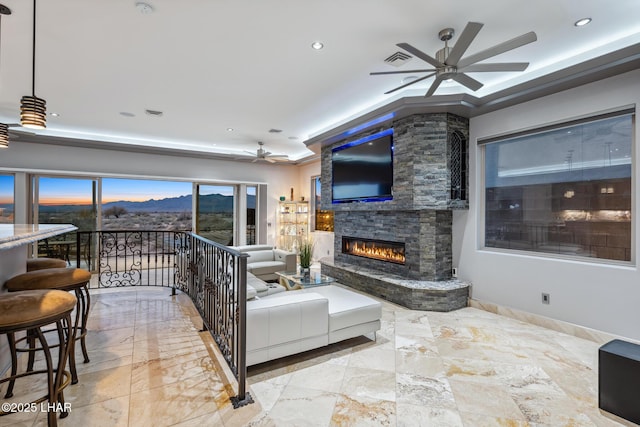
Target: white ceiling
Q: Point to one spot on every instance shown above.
(210, 65)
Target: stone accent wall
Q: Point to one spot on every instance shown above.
(419, 215)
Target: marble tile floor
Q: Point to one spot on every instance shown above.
(150, 366)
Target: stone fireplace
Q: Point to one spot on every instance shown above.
(423, 235)
(414, 228)
(380, 250)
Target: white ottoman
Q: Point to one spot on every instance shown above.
(350, 314)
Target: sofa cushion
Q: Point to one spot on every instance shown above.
(251, 292)
(347, 308)
(281, 319)
(251, 248)
(258, 256)
(255, 283)
(262, 268)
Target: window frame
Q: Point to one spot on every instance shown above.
(481, 187)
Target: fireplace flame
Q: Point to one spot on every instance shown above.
(371, 250)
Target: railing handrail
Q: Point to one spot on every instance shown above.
(212, 274)
(231, 250)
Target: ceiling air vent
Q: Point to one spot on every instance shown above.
(154, 113)
(398, 59)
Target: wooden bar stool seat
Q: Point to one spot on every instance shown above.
(30, 311)
(42, 263)
(64, 279)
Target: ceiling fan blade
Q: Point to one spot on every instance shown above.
(468, 34)
(269, 160)
(467, 81)
(498, 66)
(410, 83)
(379, 73)
(434, 86)
(253, 153)
(420, 54)
(522, 40)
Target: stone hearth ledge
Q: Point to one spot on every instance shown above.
(442, 295)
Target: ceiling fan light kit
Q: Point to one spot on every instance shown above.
(449, 64)
(33, 110)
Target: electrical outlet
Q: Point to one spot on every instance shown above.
(546, 298)
(454, 272)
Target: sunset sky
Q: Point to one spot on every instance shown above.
(6, 189)
(56, 191)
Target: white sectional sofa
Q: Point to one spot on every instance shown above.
(265, 260)
(291, 322)
(259, 288)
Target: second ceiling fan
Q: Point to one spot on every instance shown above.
(262, 154)
(449, 63)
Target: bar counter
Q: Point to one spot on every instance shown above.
(14, 241)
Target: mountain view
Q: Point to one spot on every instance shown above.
(208, 203)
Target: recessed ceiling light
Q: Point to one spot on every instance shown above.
(144, 8)
(272, 130)
(229, 129)
(293, 137)
(317, 45)
(127, 114)
(582, 22)
(54, 114)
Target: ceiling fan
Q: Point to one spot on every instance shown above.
(262, 154)
(449, 63)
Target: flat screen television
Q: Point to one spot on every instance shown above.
(362, 170)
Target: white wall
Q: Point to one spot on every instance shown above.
(594, 295)
(55, 159)
(323, 240)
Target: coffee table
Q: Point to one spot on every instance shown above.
(293, 280)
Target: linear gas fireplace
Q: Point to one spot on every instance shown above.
(375, 249)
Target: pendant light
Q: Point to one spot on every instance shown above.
(4, 129)
(4, 135)
(33, 110)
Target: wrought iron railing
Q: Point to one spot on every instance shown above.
(213, 275)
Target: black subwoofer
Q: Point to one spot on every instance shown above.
(619, 379)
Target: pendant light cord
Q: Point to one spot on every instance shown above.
(33, 56)
(0, 41)
(4, 10)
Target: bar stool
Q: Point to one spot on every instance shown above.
(30, 311)
(64, 279)
(42, 263)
